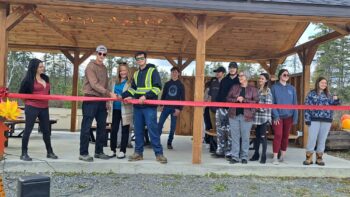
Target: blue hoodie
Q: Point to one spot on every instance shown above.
(284, 95)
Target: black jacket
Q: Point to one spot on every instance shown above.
(225, 86)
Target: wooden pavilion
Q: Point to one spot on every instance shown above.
(261, 31)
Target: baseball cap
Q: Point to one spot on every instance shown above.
(233, 65)
(220, 69)
(101, 48)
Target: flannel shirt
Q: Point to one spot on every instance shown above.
(263, 115)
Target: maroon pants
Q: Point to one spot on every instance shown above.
(281, 132)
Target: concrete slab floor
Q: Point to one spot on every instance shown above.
(66, 146)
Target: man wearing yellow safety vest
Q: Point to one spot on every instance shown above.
(146, 84)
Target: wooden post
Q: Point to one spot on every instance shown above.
(306, 56)
(73, 118)
(76, 61)
(199, 90)
(4, 10)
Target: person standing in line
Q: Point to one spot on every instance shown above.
(283, 119)
(37, 83)
(222, 121)
(319, 121)
(173, 90)
(122, 112)
(241, 119)
(95, 85)
(146, 84)
(262, 118)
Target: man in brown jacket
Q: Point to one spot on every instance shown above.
(95, 85)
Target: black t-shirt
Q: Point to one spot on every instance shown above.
(240, 111)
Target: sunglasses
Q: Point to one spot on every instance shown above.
(139, 58)
(104, 54)
(285, 75)
(241, 75)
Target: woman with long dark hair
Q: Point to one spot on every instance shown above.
(262, 118)
(36, 82)
(319, 121)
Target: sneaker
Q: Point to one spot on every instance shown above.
(233, 161)
(25, 157)
(135, 157)
(228, 157)
(87, 158)
(121, 155)
(215, 155)
(170, 146)
(113, 155)
(244, 161)
(161, 159)
(275, 161)
(101, 156)
(51, 156)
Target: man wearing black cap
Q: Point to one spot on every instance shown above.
(213, 92)
(222, 122)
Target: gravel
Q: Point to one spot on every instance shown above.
(111, 184)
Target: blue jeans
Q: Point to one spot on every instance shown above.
(240, 128)
(146, 116)
(163, 116)
(93, 110)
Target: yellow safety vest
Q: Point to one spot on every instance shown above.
(148, 84)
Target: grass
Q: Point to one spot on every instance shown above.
(302, 192)
(220, 187)
(345, 154)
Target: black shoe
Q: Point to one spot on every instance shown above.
(101, 156)
(228, 157)
(244, 161)
(255, 157)
(263, 159)
(170, 146)
(25, 157)
(233, 161)
(51, 155)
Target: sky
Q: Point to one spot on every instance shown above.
(165, 65)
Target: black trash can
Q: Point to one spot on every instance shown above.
(33, 186)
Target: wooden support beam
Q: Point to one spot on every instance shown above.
(216, 26)
(199, 89)
(179, 61)
(265, 66)
(18, 15)
(53, 26)
(313, 43)
(4, 11)
(171, 61)
(68, 55)
(187, 23)
(341, 28)
(188, 62)
(273, 66)
(76, 60)
(306, 56)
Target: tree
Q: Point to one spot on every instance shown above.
(17, 68)
(333, 62)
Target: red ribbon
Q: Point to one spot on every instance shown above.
(3, 92)
(177, 103)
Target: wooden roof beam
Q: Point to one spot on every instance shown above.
(187, 23)
(216, 26)
(188, 62)
(171, 61)
(53, 26)
(341, 28)
(18, 15)
(312, 43)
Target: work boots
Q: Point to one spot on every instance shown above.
(308, 160)
(319, 160)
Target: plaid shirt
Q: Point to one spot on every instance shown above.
(263, 115)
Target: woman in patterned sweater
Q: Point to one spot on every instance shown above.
(319, 121)
(262, 118)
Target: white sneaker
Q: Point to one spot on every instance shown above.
(275, 161)
(121, 155)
